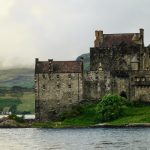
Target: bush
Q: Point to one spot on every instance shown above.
(74, 111)
(16, 118)
(111, 107)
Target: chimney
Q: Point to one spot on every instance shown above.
(142, 35)
(50, 65)
(99, 38)
(36, 60)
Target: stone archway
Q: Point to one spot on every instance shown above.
(123, 94)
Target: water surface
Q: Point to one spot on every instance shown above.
(75, 139)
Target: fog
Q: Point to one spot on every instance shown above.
(63, 29)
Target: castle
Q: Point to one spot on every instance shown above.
(119, 63)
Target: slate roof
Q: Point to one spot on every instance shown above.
(59, 67)
(110, 40)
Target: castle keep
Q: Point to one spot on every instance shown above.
(119, 63)
(58, 85)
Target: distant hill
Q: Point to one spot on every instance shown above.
(17, 77)
(86, 61)
(24, 77)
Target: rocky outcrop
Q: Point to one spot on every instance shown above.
(10, 123)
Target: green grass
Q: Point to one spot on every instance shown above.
(25, 103)
(17, 77)
(7, 103)
(134, 114)
(89, 117)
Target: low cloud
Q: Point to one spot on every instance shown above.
(64, 29)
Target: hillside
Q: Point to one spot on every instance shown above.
(24, 77)
(17, 77)
(22, 100)
(86, 61)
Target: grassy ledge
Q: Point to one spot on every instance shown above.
(134, 116)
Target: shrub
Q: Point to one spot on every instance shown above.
(72, 112)
(16, 118)
(111, 107)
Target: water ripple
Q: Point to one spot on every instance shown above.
(75, 139)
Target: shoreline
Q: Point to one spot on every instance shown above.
(102, 125)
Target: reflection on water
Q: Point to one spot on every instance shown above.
(75, 139)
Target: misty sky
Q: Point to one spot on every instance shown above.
(63, 29)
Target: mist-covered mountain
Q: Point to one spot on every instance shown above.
(86, 61)
(23, 77)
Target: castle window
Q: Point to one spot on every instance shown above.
(58, 86)
(57, 76)
(69, 86)
(69, 76)
(69, 95)
(44, 76)
(44, 87)
(143, 79)
(50, 76)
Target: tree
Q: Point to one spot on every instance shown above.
(17, 91)
(111, 107)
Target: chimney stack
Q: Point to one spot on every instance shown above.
(36, 60)
(142, 35)
(99, 38)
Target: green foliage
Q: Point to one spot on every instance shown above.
(21, 105)
(72, 112)
(13, 109)
(111, 107)
(17, 91)
(16, 118)
(81, 115)
(134, 114)
(9, 103)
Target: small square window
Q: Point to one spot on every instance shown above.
(69, 76)
(44, 87)
(57, 76)
(44, 76)
(143, 79)
(69, 86)
(58, 86)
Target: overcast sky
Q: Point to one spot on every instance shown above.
(63, 29)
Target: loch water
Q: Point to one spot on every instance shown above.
(75, 139)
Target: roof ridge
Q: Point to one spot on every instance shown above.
(120, 33)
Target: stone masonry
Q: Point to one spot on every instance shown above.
(58, 85)
(119, 63)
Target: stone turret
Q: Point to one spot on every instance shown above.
(99, 38)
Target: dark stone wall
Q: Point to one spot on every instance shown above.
(94, 90)
(117, 58)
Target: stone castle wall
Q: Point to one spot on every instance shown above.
(56, 92)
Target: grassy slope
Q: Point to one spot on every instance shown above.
(21, 77)
(24, 103)
(134, 115)
(27, 103)
(89, 117)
